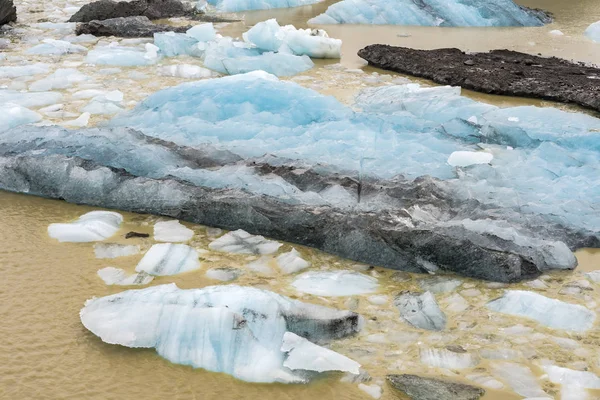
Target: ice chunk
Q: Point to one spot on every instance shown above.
(304, 355)
(335, 283)
(29, 99)
(173, 44)
(467, 158)
(292, 262)
(186, 71)
(431, 13)
(80, 121)
(242, 5)
(242, 242)
(519, 378)
(549, 312)
(56, 47)
(569, 377)
(485, 380)
(224, 274)
(60, 27)
(115, 95)
(62, 78)
(12, 115)
(114, 250)
(266, 35)
(116, 276)
(556, 32)
(372, 390)
(262, 266)
(169, 259)
(172, 231)
(231, 329)
(443, 358)
(202, 32)
(593, 32)
(456, 303)
(421, 311)
(91, 227)
(594, 276)
(16, 71)
(121, 56)
(279, 64)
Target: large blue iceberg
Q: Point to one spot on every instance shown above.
(243, 5)
(431, 13)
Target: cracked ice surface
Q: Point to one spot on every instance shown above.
(237, 330)
(91, 227)
(430, 13)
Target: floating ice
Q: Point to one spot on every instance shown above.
(485, 380)
(172, 231)
(173, 44)
(593, 31)
(16, 71)
(80, 121)
(467, 158)
(114, 250)
(60, 79)
(279, 64)
(594, 276)
(421, 311)
(571, 378)
(431, 13)
(116, 276)
(242, 5)
(186, 71)
(439, 284)
(372, 390)
(236, 330)
(225, 274)
(443, 358)
(519, 378)
(169, 259)
(335, 283)
(12, 115)
(549, 312)
(242, 242)
(29, 99)
(91, 227)
(121, 56)
(56, 47)
(455, 303)
(292, 262)
(262, 266)
(202, 32)
(304, 355)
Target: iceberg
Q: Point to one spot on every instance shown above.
(172, 231)
(51, 47)
(552, 313)
(91, 227)
(62, 78)
(335, 283)
(169, 259)
(15, 71)
(12, 115)
(202, 32)
(243, 5)
(593, 32)
(421, 311)
(236, 330)
(241, 242)
(116, 276)
(292, 262)
(186, 71)
(225, 274)
(431, 13)
(114, 250)
(122, 56)
(26, 99)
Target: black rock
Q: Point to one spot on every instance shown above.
(8, 12)
(132, 234)
(423, 388)
(501, 72)
(153, 9)
(128, 27)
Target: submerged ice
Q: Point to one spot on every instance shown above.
(251, 334)
(431, 13)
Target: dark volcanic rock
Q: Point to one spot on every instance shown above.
(132, 234)
(422, 388)
(153, 9)
(128, 27)
(497, 72)
(8, 12)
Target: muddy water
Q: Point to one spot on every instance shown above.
(46, 353)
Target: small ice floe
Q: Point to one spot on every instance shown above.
(549, 312)
(439, 284)
(574, 384)
(262, 266)
(455, 303)
(292, 262)
(467, 158)
(172, 231)
(443, 358)
(169, 259)
(123, 56)
(241, 242)
(116, 276)
(56, 47)
(80, 121)
(594, 276)
(593, 32)
(519, 378)
(485, 380)
(335, 283)
(305, 355)
(186, 71)
(420, 310)
(12, 115)
(91, 227)
(224, 274)
(556, 32)
(62, 78)
(114, 250)
(374, 391)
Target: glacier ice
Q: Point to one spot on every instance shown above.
(224, 274)
(12, 115)
(431, 13)
(116, 276)
(78, 122)
(243, 5)
(262, 266)
(552, 313)
(122, 56)
(26, 99)
(202, 32)
(593, 31)
(114, 250)
(305, 355)
(467, 158)
(231, 329)
(62, 78)
(439, 284)
(90, 227)
(421, 311)
(172, 231)
(443, 358)
(56, 47)
(292, 262)
(173, 44)
(186, 71)
(15, 71)
(169, 259)
(241, 242)
(335, 283)
(519, 378)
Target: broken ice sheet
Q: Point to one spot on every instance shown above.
(91, 227)
(172, 231)
(114, 250)
(335, 283)
(116, 276)
(169, 259)
(519, 378)
(241, 242)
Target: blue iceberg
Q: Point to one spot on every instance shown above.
(593, 32)
(243, 5)
(431, 13)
